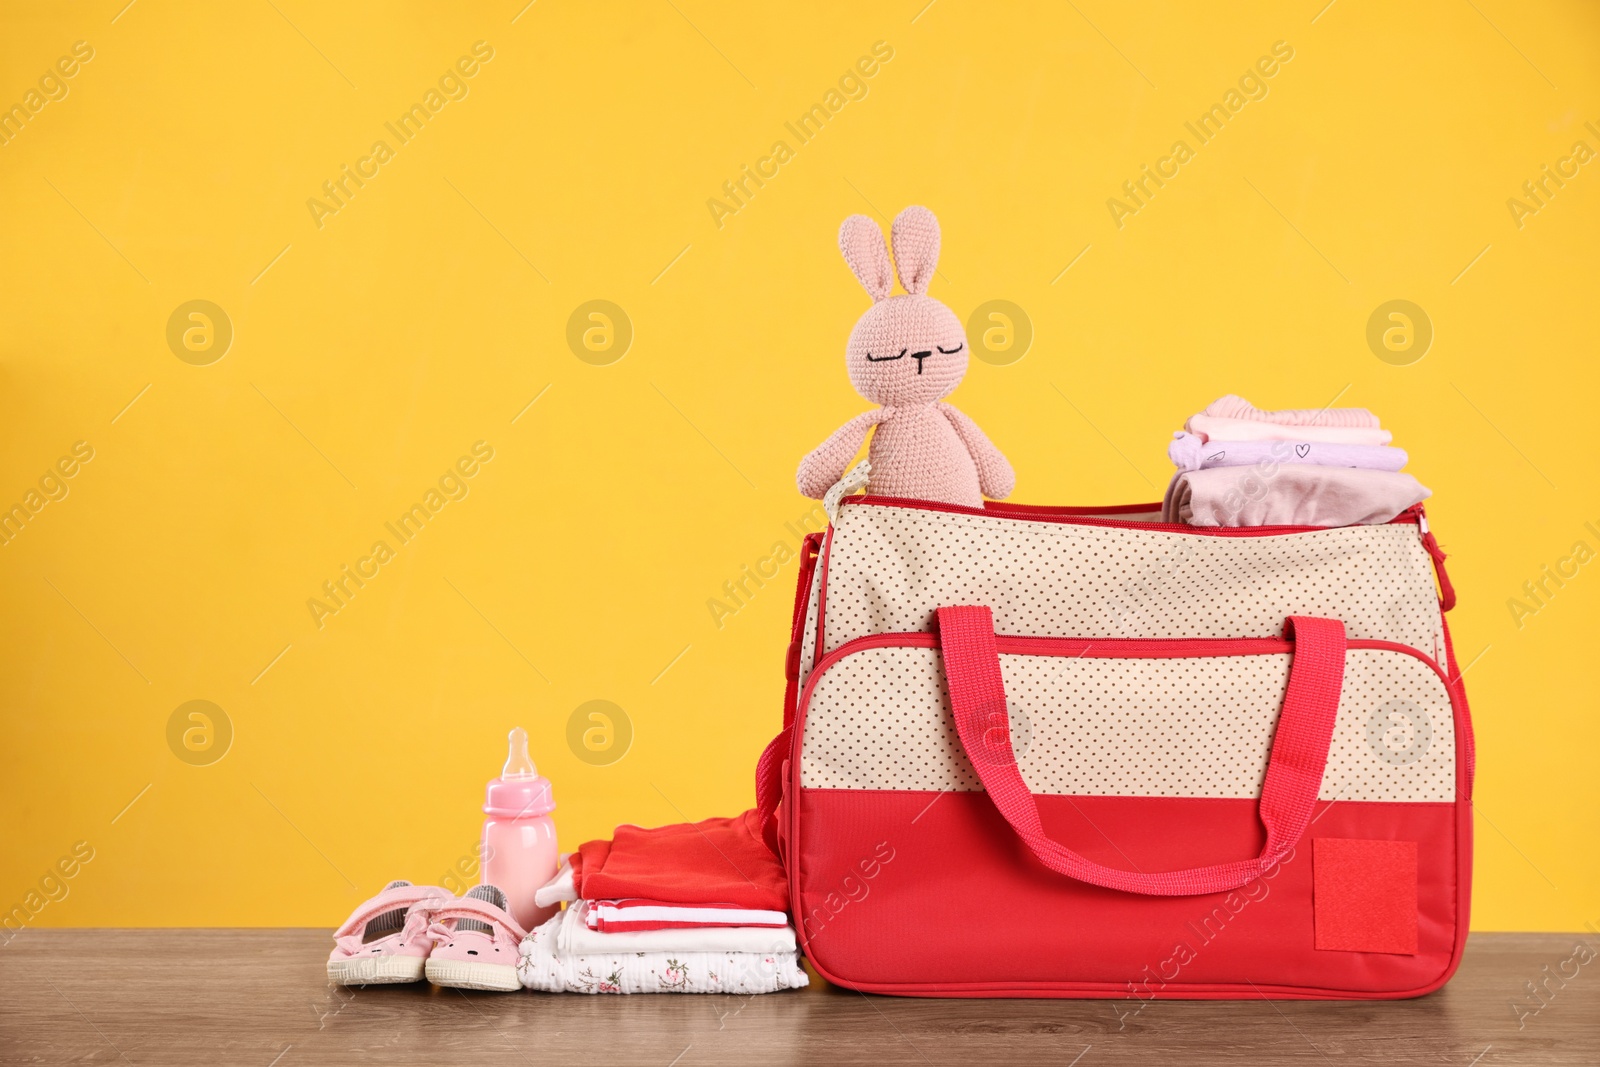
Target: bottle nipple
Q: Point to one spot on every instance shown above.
(519, 765)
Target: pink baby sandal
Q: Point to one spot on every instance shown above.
(475, 942)
(385, 941)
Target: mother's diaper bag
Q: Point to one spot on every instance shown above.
(1072, 752)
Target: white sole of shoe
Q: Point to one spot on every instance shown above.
(376, 970)
(456, 974)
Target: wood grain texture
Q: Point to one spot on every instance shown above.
(259, 997)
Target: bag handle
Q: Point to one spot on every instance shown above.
(1288, 797)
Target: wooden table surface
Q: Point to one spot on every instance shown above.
(260, 998)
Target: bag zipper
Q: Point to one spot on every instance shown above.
(1094, 517)
(1121, 647)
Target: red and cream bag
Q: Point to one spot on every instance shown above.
(1081, 753)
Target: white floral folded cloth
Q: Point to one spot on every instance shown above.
(543, 966)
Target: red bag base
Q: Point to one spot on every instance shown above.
(906, 884)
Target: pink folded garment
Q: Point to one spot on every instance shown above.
(1289, 495)
(1237, 407)
(1216, 428)
(1191, 452)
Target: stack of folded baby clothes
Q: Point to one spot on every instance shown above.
(1241, 466)
(689, 908)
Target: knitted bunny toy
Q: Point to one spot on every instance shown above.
(907, 353)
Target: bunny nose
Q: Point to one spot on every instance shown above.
(919, 357)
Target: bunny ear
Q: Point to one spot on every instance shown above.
(915, 235)
(862, 244)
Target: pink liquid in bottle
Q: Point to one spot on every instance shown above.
(519, 837)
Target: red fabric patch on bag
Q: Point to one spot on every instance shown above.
(1364, 895)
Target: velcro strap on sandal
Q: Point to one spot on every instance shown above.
(445, 918)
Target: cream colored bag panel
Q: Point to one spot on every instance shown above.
(1183, 727)
(891, 568)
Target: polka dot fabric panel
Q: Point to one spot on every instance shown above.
(890, 568)
(1191, 726)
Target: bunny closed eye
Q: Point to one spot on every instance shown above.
(918, 356)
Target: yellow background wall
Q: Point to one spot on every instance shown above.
(373, 346)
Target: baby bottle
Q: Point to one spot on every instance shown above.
(519, 838)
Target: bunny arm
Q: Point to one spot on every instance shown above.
(995, 476)
(825, 463)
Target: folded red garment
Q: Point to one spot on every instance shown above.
(715, 861)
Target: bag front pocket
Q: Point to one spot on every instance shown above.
(1125, 717)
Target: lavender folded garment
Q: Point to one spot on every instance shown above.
(1190, 452)
(1292, 495)
(1222, 429)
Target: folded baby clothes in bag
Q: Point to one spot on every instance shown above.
(1082, 752)
(1192, 452)
(1241, 466)
(1221, 429)
(1237, 407)
(1289, 495)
